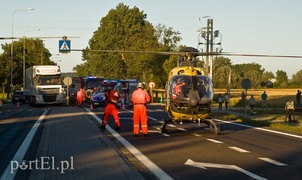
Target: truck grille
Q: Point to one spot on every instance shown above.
(49, 98)
(49, 91)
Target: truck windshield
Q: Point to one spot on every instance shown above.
(49, 80)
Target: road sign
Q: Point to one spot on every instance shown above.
(151, 84)
(64, 46)
(246, 84)
(67, 81)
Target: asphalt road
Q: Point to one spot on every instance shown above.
(191, 151)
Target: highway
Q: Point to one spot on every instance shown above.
(186, 151)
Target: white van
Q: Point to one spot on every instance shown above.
(126, 88)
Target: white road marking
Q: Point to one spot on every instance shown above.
(239, 149)
(261, 129)
(182, 129)
(196, 134)
(19, 156)
(215, 141)
(222, 166)
(171, 125)
(273, 161)
(156, 110)
(140, 156)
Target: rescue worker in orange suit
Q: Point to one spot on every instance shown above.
(140, 98)
(80, 96)
(112, 98)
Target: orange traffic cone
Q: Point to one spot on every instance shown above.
(91, 107)
(18, 105)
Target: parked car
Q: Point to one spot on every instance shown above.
(20, 96)
(98, 98)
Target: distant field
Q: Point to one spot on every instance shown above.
(276, 97)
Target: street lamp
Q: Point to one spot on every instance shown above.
(38, 29)
(12, 49)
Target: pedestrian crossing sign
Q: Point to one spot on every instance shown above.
(64, 46)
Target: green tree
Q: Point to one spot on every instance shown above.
(297, 79)
(127, 29)
(35, 54)
(222, 61)
(282, 79)
(267, 75)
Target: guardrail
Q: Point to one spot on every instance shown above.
(157, 95)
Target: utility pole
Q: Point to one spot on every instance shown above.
(209, 35)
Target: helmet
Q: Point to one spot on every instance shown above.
(140, 85)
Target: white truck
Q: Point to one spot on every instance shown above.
(45, 86)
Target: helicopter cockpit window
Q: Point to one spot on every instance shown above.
(181, 85)
(203, 85)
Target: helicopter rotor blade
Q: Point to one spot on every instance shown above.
(152, 52)
(262, 55)
(190, 53)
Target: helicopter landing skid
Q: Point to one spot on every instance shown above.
(212, 125)
(163, 126)
(210, 122)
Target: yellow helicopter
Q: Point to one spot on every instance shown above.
(189, 90)
(189, 93)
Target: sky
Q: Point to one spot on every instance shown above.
(253, 27)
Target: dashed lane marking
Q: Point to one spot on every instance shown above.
(182, 129)
(272, 161)
(239, 149)
(215, 141)
(196, 134)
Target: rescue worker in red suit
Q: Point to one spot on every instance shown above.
(112, 98)
(140, 98)
(80, 96)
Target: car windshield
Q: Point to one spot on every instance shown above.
(103, 89)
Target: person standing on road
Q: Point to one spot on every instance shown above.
(298, 98)
(112, 98)
(263, 100)
(290, 110)
(140, 98)
(80, 96)
(243, 99)
(1, 105)
(252, 102)
(226, 100)
(219, 102)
